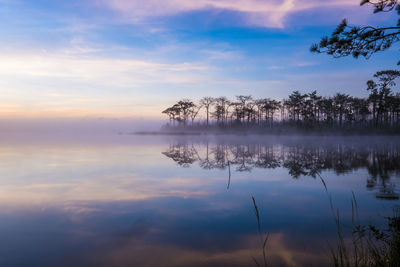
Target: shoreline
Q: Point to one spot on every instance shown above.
(248, 133)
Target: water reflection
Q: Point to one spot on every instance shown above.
(381, 161)
(121, 202)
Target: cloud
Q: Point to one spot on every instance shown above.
(258, 12)
(305, 63)
(275, 67)
(81, 80)
(109, 71)
(281, 252)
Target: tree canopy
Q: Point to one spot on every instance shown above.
(380, 110)
(362, 40)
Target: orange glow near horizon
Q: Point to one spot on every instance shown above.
(13, 111)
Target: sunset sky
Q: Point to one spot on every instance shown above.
(133, 58)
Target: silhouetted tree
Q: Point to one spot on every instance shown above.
(295, 105)
(314, 105)
(186, 107)
(269, 107)
(242, 107)
(305, 111)
(220, 109)
(181, 111)
(381, 95)
(341, 103)
(365, 40)
(193, 111)
(206, 102)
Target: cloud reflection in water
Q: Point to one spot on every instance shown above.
(127, 204)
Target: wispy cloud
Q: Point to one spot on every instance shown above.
(110, 71)
(305, 63)
(275, 67)
(79, 80)
(258, 12)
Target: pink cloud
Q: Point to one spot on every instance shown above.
(264, 13)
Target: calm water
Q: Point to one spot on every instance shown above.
(125, 200)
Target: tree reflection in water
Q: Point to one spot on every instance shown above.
(382, 161)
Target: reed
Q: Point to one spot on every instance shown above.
(263, 237)
(368, 245)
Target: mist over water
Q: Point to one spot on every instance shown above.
(135, 200)
(79, 125)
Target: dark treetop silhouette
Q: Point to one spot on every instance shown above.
(361, 40)
(381, 110)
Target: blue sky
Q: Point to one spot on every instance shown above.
(131, 58)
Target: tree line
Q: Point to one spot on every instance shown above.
(380, 109)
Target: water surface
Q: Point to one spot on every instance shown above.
(126, 200)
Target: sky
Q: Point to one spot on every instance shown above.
(134, 58)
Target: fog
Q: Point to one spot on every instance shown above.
(78, 125)
(108, 131)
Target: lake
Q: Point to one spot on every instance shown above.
(133, 200)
